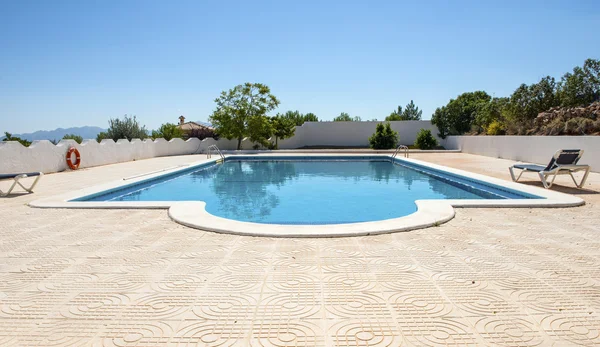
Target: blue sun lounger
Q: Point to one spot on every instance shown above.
(564, 162)
(17, 177)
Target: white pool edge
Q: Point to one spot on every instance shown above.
(429, 212)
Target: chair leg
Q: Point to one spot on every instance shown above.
(585, 176)
(30, 189)
(573, 178)
(512, 174)
(543, 177)
(15, 182)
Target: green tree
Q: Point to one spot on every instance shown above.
(283, 128)
(344, 117)
(241, 112)
(528, 101)
(299, 118)
(441, 120)
(167, 131)
(395, 115)
(490, 112)
(77, 138)
(411, 112)
(582, 86)
(9, 137)
(458, 116)
(384, 137)
(260, 129)
(425, 140)
(101, 136)
(126, 128)
(310, 117)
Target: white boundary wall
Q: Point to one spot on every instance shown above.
(45, 157)
(531, 149)
(351, 134)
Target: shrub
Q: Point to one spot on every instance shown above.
(203, 133)
(496, 128)
(77, 138)
(425, 140)
(127, 128)
(9, 137)
(167, 131)
(101, 136)
(555, 127)
(585, 126)
(571, 127)
(384, 137)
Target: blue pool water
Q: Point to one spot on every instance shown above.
(309, 191)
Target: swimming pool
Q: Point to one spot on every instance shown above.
(310, 190)
(308, 196)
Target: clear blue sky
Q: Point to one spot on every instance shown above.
(75, 63)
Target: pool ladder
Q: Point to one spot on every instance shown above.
(403, 147)
(216, 149)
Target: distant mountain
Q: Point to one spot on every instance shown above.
(87, 132)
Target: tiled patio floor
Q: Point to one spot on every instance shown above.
(510, 277)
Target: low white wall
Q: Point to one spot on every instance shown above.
(351, 134)
(531, 149)
(46, 157)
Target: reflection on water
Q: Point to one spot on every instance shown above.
(242, 186)
(386, 173)
(300, 192)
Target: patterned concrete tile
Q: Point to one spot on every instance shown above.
(510, 277)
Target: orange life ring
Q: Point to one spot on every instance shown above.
(73, 165)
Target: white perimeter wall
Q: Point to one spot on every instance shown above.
(351, 134)
(532, 149)
(45, 157)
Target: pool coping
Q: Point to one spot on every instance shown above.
(193, 213)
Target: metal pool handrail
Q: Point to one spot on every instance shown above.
(214, 147)
(405, 148)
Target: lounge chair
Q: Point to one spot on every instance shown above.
(564, 162)
(17, 178)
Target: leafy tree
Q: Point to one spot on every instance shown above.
(425, 140)
(384, 137)
(310, 117)
(344, 117)
(395, 115)
(167, 131)
(126, 128)
(496, 128)
(527, 101)
(9, 137)
(298, 118)
(411, 112)
(283, 128)
(457, 117)
(490, 112)
(582, 87)
(101, 136)
(260, 129)
(441, 120)
(241, 112)
(77, 138)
